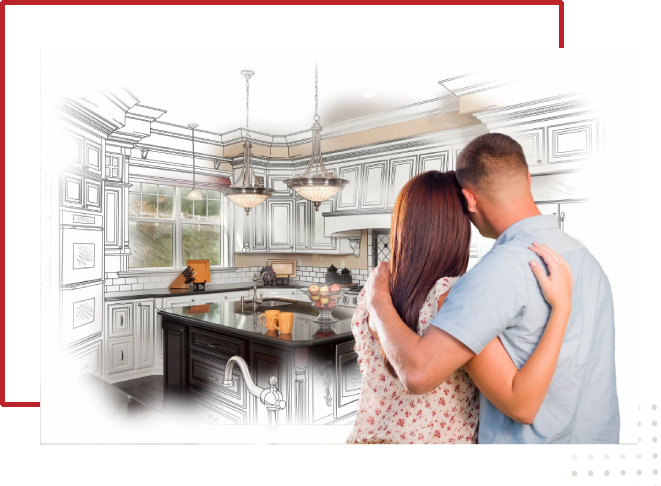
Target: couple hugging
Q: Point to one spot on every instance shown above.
(520, 349)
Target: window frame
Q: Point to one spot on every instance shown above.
(226, 224)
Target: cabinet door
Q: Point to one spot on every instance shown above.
(119, 320)
(112, 218)
(258, 228)
(93, 157)
(401, 171)
(114, 166)
(175, 363)
(349, 196)
(267, 361)
(93, 196)
(145, 339)
(275, 180)
(280, 225)
(374, 185)
(318, 240)
(208, 299)
(73, 149)
(179, 301)
(233, 296)
(302, 232)
(569, 142)
(120, 355)
(435, 161)
(71, 192)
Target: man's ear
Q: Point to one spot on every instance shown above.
(470, 200)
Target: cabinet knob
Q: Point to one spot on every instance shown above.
(139, 304)
(181, 330)
(225, 297)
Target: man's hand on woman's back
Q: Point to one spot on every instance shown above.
(377, 287)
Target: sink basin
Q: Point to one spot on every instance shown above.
(274, 303)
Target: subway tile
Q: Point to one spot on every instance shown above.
(131, 281)
(118, 281)
(107, 281)
(123, 288)
(155, 279)
(137, 286)
(143, 280)
(148, 286)
(363, 272)
(112, 288)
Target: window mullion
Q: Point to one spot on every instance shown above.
(178, 239)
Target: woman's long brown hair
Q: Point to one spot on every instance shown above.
(430, 239)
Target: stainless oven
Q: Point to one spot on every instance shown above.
(348, 379)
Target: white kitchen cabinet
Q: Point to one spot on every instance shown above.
(280, 225)
(93, 195)
(145, 339)
(401, 170)
(93, 157)
(113, 217)
(318, 240)
(573, 141)
(119, 320)
(120, 355)
(374, 185)
(114, 166)
(81, 312)
(234, 296)
(258, 228)
(183, 301)
(84, 359)
(275, 179)
(302, 296)
(71, 191)
(73, 149)
(439, 160)
(349, 197)
(302, 225)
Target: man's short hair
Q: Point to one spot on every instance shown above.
(490, 157)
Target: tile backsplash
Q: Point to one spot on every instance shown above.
(116, 283)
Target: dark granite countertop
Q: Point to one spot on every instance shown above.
(210, 289)
(228, 318)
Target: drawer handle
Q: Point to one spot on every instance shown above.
(121, 321)
(211, 417)
(122, 359)
(212, 346)
(212, 378)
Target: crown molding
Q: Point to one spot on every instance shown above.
(476, 82)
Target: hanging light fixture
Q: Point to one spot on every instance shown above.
(194, 194)
(247, 195)
(317, 186)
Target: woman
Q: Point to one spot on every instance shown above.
(430, 239)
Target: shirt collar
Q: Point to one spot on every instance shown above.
(533, 222)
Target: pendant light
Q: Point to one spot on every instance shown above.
(194, 194)
(247, 195)
(317, 186)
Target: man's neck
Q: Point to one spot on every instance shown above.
(511, 213)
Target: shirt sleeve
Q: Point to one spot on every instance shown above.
(485, 301)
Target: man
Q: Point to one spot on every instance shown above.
(500, 297)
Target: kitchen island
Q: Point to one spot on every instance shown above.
(316, 367)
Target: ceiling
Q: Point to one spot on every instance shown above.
(205, 85)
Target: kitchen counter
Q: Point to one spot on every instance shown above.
(227, 317)
(317, 369)
(210, 289)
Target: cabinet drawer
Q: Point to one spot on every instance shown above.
(206, 376)
(86, 359)
(217, 345)
(215, 413)
(120, 320)
(120, 355)
(82, 312)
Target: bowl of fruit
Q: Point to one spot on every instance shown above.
(324, 298)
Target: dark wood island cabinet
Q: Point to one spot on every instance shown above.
(316, 367)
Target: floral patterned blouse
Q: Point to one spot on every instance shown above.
(388, 413)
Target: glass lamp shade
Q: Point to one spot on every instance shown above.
(248, 197)
(316, 189)
(194, 195)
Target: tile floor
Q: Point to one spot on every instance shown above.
(147, 390)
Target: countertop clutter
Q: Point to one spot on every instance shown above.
(210, 289)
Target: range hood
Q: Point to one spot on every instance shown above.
(349, 224)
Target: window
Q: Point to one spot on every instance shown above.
(151, 226)
(166, 229)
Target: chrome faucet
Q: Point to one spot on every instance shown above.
(255, 301)
(270, 397)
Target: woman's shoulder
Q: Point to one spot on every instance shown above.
(444, 284)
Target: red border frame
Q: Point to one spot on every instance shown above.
(561, 20)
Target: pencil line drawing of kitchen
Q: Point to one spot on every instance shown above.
(207, 274)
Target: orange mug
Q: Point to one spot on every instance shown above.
(269, 315)
(284, 322)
